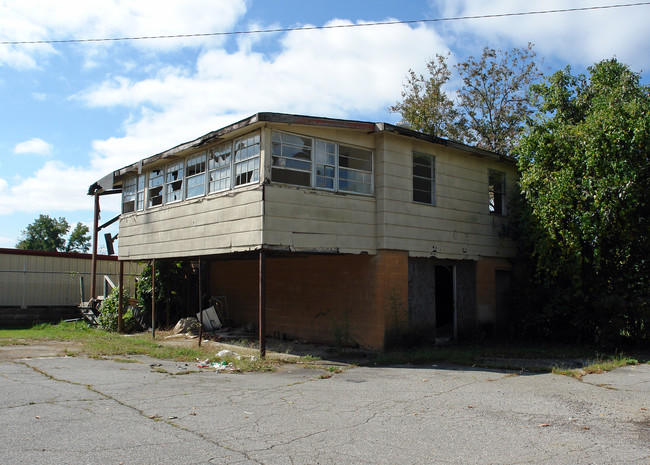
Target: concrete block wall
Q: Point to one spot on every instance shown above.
(319, 297)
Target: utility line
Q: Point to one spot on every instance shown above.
(311, 28)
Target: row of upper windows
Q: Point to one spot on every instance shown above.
(297, 160)
(196, 175)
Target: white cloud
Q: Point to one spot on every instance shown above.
(53, 187)
(579, 38)
(33, 20)
(34, 146)
(333, 72)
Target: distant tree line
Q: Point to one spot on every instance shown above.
(46, 233)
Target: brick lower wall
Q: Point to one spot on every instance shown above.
(319, 298)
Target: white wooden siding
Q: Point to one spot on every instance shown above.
(459, 225)
(221, 223)
(309, 219)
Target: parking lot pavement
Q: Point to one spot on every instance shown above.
(82, 411)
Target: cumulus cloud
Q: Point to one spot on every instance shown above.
(34, 146)
(33, 20)
(580, 38)
(54, 187)
(331, 72)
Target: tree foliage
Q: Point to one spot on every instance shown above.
(492, 101)
(45, 233)
(79, 240)
(48, 234)
(426, 106)
(585, 175)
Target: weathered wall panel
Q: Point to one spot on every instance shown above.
(220, 223)
(311, 220)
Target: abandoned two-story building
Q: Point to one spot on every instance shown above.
(316, 226)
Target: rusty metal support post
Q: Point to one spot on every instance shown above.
(262, 303)
(200, 309)
(153, 298)
(120, 297)
(93, 271)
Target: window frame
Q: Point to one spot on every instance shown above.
(130, 194)
(496, 198)
(200, 160)
(320, 151)
(248, 158)
(161, 186)
(431, 178)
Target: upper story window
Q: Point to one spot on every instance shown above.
(141, 180)
(291, 159)
(219, 160)
(355, 170)
(174, 182)
(247, 159)
(195, 172)
(129, 195)
(155, 187)
(497, 192)
(424, 178)
(317, 163)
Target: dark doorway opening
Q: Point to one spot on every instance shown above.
(444, 285)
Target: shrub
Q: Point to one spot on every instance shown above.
(108, 313)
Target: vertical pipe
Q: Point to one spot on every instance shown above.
(262, 303)
(120, 297)
(200, 309)
(93, 272)
(153, 298)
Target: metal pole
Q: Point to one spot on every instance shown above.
(262, 303)
(200, 310)
(153, 298)
(120, 296)
(93, 273)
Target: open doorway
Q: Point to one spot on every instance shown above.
(445, 303)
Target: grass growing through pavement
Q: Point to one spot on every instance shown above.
(541, 358)
(600, 365)
(93, 342)
(97, 343)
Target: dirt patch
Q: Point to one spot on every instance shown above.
(33, 349)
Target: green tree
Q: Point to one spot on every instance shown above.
(45, 233)
(585, 222)
(425, 106)
(79, 240)
(492, 101)
(495, 96)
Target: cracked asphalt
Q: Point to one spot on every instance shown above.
(74, 410)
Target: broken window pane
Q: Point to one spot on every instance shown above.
(247, 159)
(219, 167)
(174, 182)
(291, 159)
(497, 192)
(155, 190)
(128, 195)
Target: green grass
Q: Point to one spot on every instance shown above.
(531, 358)
(600, 365)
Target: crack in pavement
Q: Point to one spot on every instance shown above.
(137, 410)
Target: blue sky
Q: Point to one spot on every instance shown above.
(74, 112)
